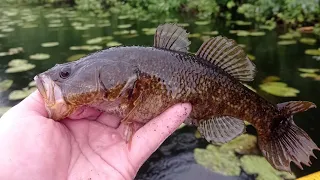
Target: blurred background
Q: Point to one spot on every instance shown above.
(280, 36)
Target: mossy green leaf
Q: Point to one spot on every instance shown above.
(25, 67)
(5, 84)
(17, 62)
(279, 89)
(287, 42)
(75, 57)
(253, 164)
(309, 41)
(313, 52)
(39, 56)
(218, 161)
(21, 94)
(49, 44)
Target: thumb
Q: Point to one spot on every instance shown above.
(149, 137)
(33, 103)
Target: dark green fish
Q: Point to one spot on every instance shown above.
(139, 83)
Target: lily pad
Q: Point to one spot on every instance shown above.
(17, 62)
(75, 57)
(21, 94)
(202, 23)
(253, 164)
(49, 44)
(309, 41)
(194, 35)
(243, 33)
(98, 40)
(25, 67)
(308, 70)
(113, 43)
(124, 26)
(39, 56)
(4, 109)
(251, 57)
(183, 24)
(86, 47)
(313, 52)
(287, 42)
(149, 31)
(243, 23)
(271, 79)
(279, 89)
(309, 75)
(3, 35)
(218, 161)
(257, 33)
(211, 33)
(244, 144)
(55, 25)
(32, 84)
(12, 51)
(5, 84)
(7, 29)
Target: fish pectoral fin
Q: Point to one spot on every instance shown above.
(226, 54)
(219, 130)
(171, 36)
(129, 86)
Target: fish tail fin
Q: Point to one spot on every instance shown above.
(286, 142)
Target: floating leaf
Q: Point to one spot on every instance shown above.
(309, 75)
(212, 33)
(149, 31)
(98, 40)
(251, 57)
(308, 70)
(287, 42)
(313, 52)
(197, 134)
(49, 44)
(7, 29)
(75, 57)
(279, 89)
(124, 26)
(253, 164)
(21, 94)
(243, 23)
(17, 62)
(86, 47)
(286, 36)
(113, 43)
(4, 109)
(243, 33)
(195, 35)
(244, 144)
(309, 41)
(55, 25)
(202, 23)
(123, 17)
(218, 161)
(32, 84)
(25, 67)
(12, 51)
(5, 84)
(257, 33)
(3, 35)
(39, 56)
(183, 24)
(271, 79)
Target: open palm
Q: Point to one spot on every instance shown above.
(88, 145)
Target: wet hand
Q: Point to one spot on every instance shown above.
(87, 145)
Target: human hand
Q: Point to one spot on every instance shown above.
(88, 145)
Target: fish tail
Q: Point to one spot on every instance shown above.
(286, 142)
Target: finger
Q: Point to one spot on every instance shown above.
(148, 138)
(33, 103)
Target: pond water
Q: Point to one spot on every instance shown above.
(29, 27)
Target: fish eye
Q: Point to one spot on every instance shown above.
(65, 72)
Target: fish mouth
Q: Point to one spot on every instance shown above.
(55, 104)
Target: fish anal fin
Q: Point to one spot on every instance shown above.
(172, 37)
(293, 107)
(226, 54)
(219, 130)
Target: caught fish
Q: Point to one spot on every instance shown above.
(139, 83)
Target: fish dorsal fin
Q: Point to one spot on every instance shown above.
(226, 54)
(219, 130)
(293, 107)
(171, 36)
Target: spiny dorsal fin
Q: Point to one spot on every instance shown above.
(226, 54)
(293, 107)
(171, 36)
(220, 130)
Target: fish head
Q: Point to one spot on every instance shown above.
(66, 87)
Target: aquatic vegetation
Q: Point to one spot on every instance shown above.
(12, 51)
(49, 44)
(211, 33)
(55, 25)
(251, 57)
(257, 33)
(279, 89)
(222, 162)
(194, 35)
(5, 84)
(86, 47)
(21, 94)
(32, 84)
(244, 144)
(4, 109)
(149, 31)
(113, 43)
(242, 23)
(17, 62)
(19, 65)
(259, 165)
(125, 32)
(287, 42)
(124, 26)
(75, 57)
(313, 52)
(39, 56)
(310, 73)
(202, 23)
(308, 70)
(309, 41)
(99, 40)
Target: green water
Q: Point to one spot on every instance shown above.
(175, 157)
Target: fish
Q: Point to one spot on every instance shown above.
(138, 83)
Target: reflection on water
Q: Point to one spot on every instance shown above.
(67, 35)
